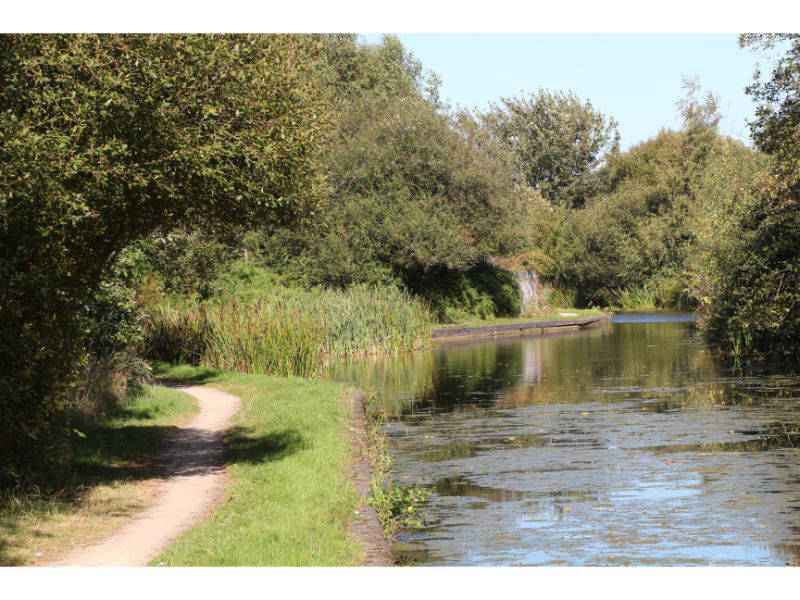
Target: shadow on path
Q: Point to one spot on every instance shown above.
(111, 454)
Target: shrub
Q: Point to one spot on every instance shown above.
(643, 241)
(748, 270)
(485, 291)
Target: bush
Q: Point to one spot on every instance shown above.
(485, 291)
(753, 303)
(642, 242)
(188, 261)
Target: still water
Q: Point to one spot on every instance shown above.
(623, 444)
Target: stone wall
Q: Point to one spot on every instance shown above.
(528, 283)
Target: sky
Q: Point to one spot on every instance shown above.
(636, 79)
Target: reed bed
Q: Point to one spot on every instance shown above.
(642, 298)
(286, 331)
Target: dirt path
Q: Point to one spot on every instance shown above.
(193, 479)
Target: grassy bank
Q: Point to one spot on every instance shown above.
(291, 500)
(104, 477)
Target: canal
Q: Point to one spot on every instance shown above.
(622, 444)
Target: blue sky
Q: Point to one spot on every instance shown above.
(634, 78)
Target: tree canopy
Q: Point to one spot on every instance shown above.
(107, 138)
(559, 142)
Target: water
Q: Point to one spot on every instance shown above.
(626, 444)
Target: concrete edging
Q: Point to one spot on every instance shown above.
(445, 333)
(365, 526)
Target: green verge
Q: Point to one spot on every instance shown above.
(291, 498)
(96, 482)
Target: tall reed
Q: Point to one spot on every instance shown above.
(266, 339)
(286, 331)
(643, 298)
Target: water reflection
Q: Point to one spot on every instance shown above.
(622, 444)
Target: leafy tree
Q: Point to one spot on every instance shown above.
(340, 247)
(753, 304)
(559, 143)
(352, 69)
(649, 231)
(642, 233)
(107, 138)
(777, 119)
(412, 189)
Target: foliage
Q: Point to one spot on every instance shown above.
(107, 138)
(113, 373)
(777, 116)
(751, 279)
(484, 291)
(413, 188)
(396, 505)
(559, 143)
(352, 69)
(399, 505)
(626, 236)
(187, 261)
(636, 243)
(410, 189)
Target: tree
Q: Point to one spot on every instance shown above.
(559, 142)
(107, 138)
(415, 189)
(412, 187)
(775, 128)
(755, 304)
(697, 114)
(352, 69)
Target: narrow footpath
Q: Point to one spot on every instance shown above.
(193, 482)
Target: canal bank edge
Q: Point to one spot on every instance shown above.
(364, 527)
(446, 333)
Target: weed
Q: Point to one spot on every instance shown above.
(396, 505)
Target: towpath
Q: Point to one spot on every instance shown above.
(193, 482)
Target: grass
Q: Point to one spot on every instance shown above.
(104, 478)
(291, 499)
(286, 331)
(550, 314)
